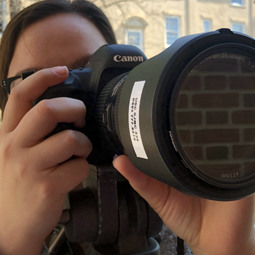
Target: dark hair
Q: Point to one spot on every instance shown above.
(39, 11)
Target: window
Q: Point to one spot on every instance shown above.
(135, 37)
(172, 25)
(207, 25)
(135, 32)
(238, 27)
(237, 2)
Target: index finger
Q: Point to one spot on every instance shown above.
(21, 98)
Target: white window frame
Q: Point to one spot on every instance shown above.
(237, 2)
(137, 31)
(174, 31)
(207, 25)
(241, 26)
(135, 25)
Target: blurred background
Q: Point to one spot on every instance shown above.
(153, 25)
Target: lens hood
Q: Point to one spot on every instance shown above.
(185, 116)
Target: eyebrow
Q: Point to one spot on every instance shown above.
(80, 62)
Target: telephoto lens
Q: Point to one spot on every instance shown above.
(187, 116)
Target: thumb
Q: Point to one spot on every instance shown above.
(152, 190)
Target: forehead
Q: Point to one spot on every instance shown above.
(57, 40)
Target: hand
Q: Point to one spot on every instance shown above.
(36, 173)
(208, 227)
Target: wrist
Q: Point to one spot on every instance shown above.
(247, 249)
(16, 245)
(15, 250)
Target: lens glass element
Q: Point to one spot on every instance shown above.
(215, 117)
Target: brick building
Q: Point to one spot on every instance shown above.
(153, 25)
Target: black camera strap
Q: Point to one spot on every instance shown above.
(180, 246)
(59, 245)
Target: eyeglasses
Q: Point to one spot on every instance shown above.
(8, 83)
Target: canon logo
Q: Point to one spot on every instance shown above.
(119, 58)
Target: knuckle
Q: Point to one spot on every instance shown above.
(78, 142)
(71, 138)
(45, 108)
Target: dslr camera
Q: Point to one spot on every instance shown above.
(185, 117)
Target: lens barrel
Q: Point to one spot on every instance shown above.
(185, 116)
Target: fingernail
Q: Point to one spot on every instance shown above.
(115, 156)
(60, 70)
